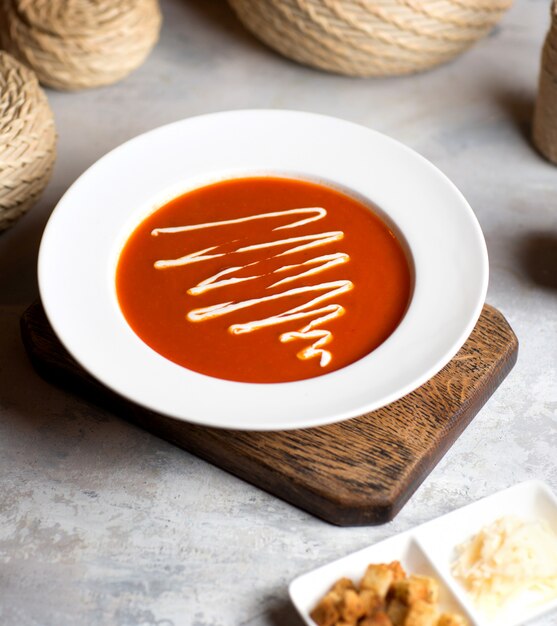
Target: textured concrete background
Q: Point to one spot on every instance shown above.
(101, 523)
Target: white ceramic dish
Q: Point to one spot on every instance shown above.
(92, 221)
(429, 550)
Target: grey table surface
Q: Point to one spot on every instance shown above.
(102, 523)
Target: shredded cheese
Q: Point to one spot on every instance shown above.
(507, 560)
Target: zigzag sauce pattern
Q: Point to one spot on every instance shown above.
(313, 308)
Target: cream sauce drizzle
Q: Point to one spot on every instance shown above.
(314, 308)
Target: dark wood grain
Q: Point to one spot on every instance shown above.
(361, 471)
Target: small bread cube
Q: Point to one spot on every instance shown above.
(341, 585)
(377, 578)
(371, 602)
(397, 610)
(451, 619)
(379, 619)
(416, 588)
(397, 570)
(351, 607)
(421, 613)
(326, 612)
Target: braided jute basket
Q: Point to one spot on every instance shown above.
(544, 130)
(27, 140)
(370, 37)
(73, 44)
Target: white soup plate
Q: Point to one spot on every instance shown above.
(92, 221)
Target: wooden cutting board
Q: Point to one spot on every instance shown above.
(361, 471)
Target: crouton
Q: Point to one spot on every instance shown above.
(371, 602)
(397, 570)
(326, 612)
(421, 613)
(377, 578)
(341, 585)
(351, 607)
(397, 610)
(416, 588)
(379, 619)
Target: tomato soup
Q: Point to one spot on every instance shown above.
(263, 280)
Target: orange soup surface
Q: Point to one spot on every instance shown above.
(263, 280)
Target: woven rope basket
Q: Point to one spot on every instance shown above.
(73, 44)
(27, 140)
(370, 37)
(544, 130)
